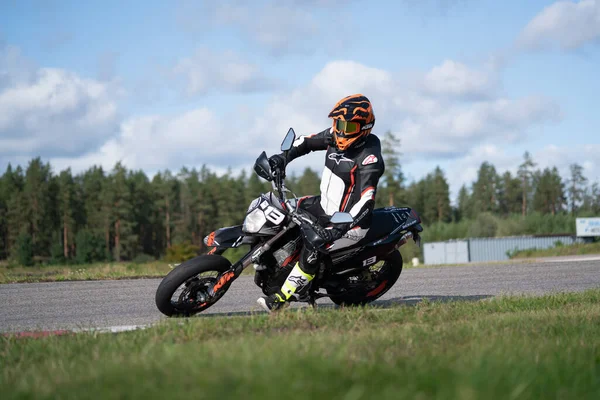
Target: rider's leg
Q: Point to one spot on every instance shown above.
(296, 284)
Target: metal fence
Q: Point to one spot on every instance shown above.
(488, 249)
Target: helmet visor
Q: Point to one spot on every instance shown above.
(346, 127)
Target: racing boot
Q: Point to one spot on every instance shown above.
(295, 284)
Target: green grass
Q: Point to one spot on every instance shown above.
(570, 250)
(503, 348)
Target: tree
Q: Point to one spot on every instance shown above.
(119, 196)
(308, 184)
(94, 216)
(591, 199)
(191, 198)
(393, 177)
(36, 193)
(549, 192)
(433, 195)
(485, 189)
(24, 249)
(441, 193)
(464, 207)
(142, 209)
(66, 207)
(16, 211)
(577, 186)
(525, 174)
(416, 195)
(11, 185)
(510, 194)
(165, 187)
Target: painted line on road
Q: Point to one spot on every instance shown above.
(578, 259)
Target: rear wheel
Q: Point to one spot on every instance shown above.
(184, 291)
(371, 284)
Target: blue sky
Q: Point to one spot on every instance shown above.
(161, 85)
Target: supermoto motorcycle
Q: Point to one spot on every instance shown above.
(275, 230)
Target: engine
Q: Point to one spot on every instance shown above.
(277, 265)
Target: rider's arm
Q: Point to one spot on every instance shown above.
(305, 144)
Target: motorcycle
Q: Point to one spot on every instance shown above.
(276, 228)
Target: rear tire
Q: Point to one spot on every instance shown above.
(393, 264)
(184, 274)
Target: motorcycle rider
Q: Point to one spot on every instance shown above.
(353, 166)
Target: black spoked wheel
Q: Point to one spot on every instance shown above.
(371, 284)
(184, 291)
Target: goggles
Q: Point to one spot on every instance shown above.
(346, 127)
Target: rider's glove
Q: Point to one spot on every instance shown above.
(329, 235)
(277, 162)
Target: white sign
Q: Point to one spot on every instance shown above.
(588, 227)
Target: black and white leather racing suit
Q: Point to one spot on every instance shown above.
(349, 182)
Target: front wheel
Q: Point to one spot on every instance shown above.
(184, 291)
(370, 284)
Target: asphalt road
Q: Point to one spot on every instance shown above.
(102, 304)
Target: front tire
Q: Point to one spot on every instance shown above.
(382, 281)
(193, 277)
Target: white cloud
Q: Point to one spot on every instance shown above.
(565, 24)
(278, 26)
(14, 68)
(459, 127)
(459, 120)
(206, 70)
(50, 111)
(563, 157)
(456, 79)
(447, 125)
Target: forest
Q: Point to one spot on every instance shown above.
(49, 216)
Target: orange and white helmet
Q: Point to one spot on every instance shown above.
(353, 120)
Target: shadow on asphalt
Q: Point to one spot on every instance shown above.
(380, 304)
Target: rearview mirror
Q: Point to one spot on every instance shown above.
(288, 141)
(341, 218)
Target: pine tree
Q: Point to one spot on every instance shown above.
(66, 207)
(165, 188)
(525, 174)
(37, 198)
(577, 187)
(95, 212)
(431, 197)
(257, 186)
(227, 200)
(464, 203)
(485, 189)
(24, 249)
(119, 196)
(441, 192)
(308, 184)
(16, 212)
(142, 208)
(7, 187)
(416, 195)
(509, 194)
(393, 177)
